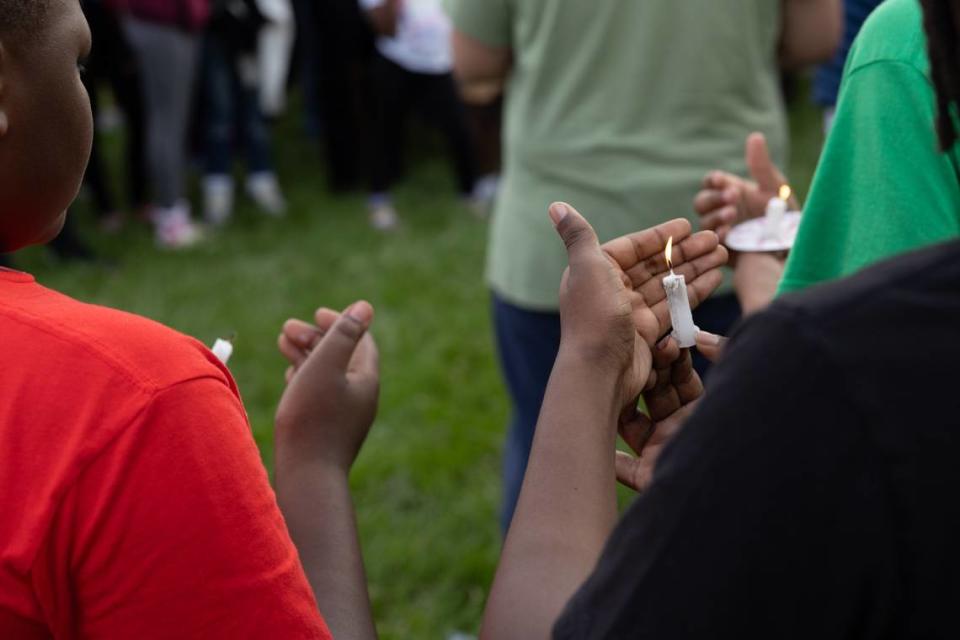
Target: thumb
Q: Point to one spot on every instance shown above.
(710, 345)
(577, 234)
(762, 170)
(338, 346)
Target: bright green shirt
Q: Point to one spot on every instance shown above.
(882, 186)
(619, 107)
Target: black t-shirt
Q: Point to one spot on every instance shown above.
(815, 493)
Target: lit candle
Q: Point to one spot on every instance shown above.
(222, 349)
(776, 210)
(684, 331)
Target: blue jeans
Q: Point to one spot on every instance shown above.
(527, 342)
(233, 113)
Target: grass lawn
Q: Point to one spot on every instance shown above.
(427, 483)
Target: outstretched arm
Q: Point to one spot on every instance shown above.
(322, 421)
(612, 310)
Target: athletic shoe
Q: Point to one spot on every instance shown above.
(264, 190)
(217, 199)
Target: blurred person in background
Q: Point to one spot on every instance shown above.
(113, 62)
(233, 114)
(166, 37)
(344, 47)
(484, 104)
(413, 70)
(826, 86)
(606, 110)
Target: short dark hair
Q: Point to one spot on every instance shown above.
(941, 20)
(20, 17)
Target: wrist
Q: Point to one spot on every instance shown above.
(596, 376)
(296, 471)
(592, 359)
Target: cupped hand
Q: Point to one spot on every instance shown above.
(613, 306)
(641, 265)
(726, 199)
(670, 400)
(333, 388)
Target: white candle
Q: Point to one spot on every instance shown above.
(681, 317)
(776, 210)
(223, 349)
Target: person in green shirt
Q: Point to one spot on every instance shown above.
(883, 186)
(618, 107)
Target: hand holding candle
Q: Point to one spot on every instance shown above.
(696, 258)
(681, 316)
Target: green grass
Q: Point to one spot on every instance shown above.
(427, 483)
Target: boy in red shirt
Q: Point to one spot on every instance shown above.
(133, 500)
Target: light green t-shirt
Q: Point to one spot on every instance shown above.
(619, 107)
(882, 186)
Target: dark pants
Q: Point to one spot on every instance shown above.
(345, 40)
(527, 344)
(435, 98)
(112, 61)
(232, 109)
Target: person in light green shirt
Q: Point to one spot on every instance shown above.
(618, 107)
(883, 186)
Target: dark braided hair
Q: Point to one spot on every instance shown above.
(941, 19)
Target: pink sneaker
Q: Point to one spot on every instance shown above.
(174, 229)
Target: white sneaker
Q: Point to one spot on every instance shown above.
(217, 199)
(484, 195)
(384, 217)
(264, 190)
(174, 229)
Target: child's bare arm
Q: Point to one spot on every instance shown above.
(323, 420)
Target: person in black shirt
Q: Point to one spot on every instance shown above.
(811, 493)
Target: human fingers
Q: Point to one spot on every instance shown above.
(629, 471)
(710, 345)
(720, 180)
(684, 250)
(636, 431)
(341, 341)
(647, 280)
(724, 216)
(366, 359)
(637, 248)
(293, 352)
(665, 353)
(581, 241)
(302, 334)
(709, 200)
(324, 318)
(762, 169)
(682, 387)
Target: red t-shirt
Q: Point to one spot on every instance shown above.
(133, 502)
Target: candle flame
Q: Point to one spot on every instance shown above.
(669, 253)
(785, 192)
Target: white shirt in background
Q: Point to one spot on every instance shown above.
(422, 41)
